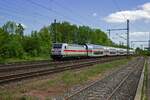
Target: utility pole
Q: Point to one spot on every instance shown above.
(54, 30)
(127, 29)
(149, 42)
(141, 46)
(109, 33)
(128, 43)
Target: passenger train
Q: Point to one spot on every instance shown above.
(65, 50)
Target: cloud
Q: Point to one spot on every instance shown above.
(146, 6)
(139, 33)
(134, 36)
(143, 12)
(94, 14)
(142, 36)
(139, 36)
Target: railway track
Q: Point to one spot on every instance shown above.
(35, 64)
(120, 85)
(11, 68)
(70, 65)
(23, 65)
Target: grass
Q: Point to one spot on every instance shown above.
(71, 78)
(67, 79)
(6, 96)
(11, 60)
(16, 94)
(28, 98)
(145, 83)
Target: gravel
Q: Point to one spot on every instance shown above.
(102, 89)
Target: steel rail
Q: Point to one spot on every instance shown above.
(15, 77)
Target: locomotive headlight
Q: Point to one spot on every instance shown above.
(52, 50)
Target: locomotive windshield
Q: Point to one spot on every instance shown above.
(57, 45)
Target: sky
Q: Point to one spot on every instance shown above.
(102, 14)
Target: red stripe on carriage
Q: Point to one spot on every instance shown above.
(77, 50)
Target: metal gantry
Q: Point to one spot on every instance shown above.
(120, 29)
(141, 41)
(148, 41)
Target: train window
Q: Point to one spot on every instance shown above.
(57, 46)
(121, 52)
(98, 52)
(106, 51)
(65, 47)
(112, 52)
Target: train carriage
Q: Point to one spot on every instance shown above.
(95, 50)
(111, 51)
(125, 51)
(131, 52)
(120, 51)
(65, 50)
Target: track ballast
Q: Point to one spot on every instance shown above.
(46, 68)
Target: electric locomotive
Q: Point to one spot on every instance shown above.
(65, 50)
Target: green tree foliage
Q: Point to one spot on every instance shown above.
(31, 46)
(142, 52)
(13, 28)
(14, 44)
(19, 30)
(44, 37)
(65, 32)
(4, 38)
(10, 27)
(10, 45)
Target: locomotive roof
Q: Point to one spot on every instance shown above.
(95, 46)
(59, 43)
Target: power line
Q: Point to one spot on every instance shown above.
(11, 15)
(18, 17)
(51, 10)
(117, 6)
(16, 12)
(125, 17)
(127, 29)
(69, 10)
(20, 10)
(8, 11)
(121, 37)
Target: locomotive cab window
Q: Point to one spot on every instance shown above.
(65, 47)
(57, 46)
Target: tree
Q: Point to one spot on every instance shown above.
(13, 42)
(14, 46)
(10, 45)
(4, 38)
(31, 46)
(45, 40)
(10, 27)
(19, 30)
